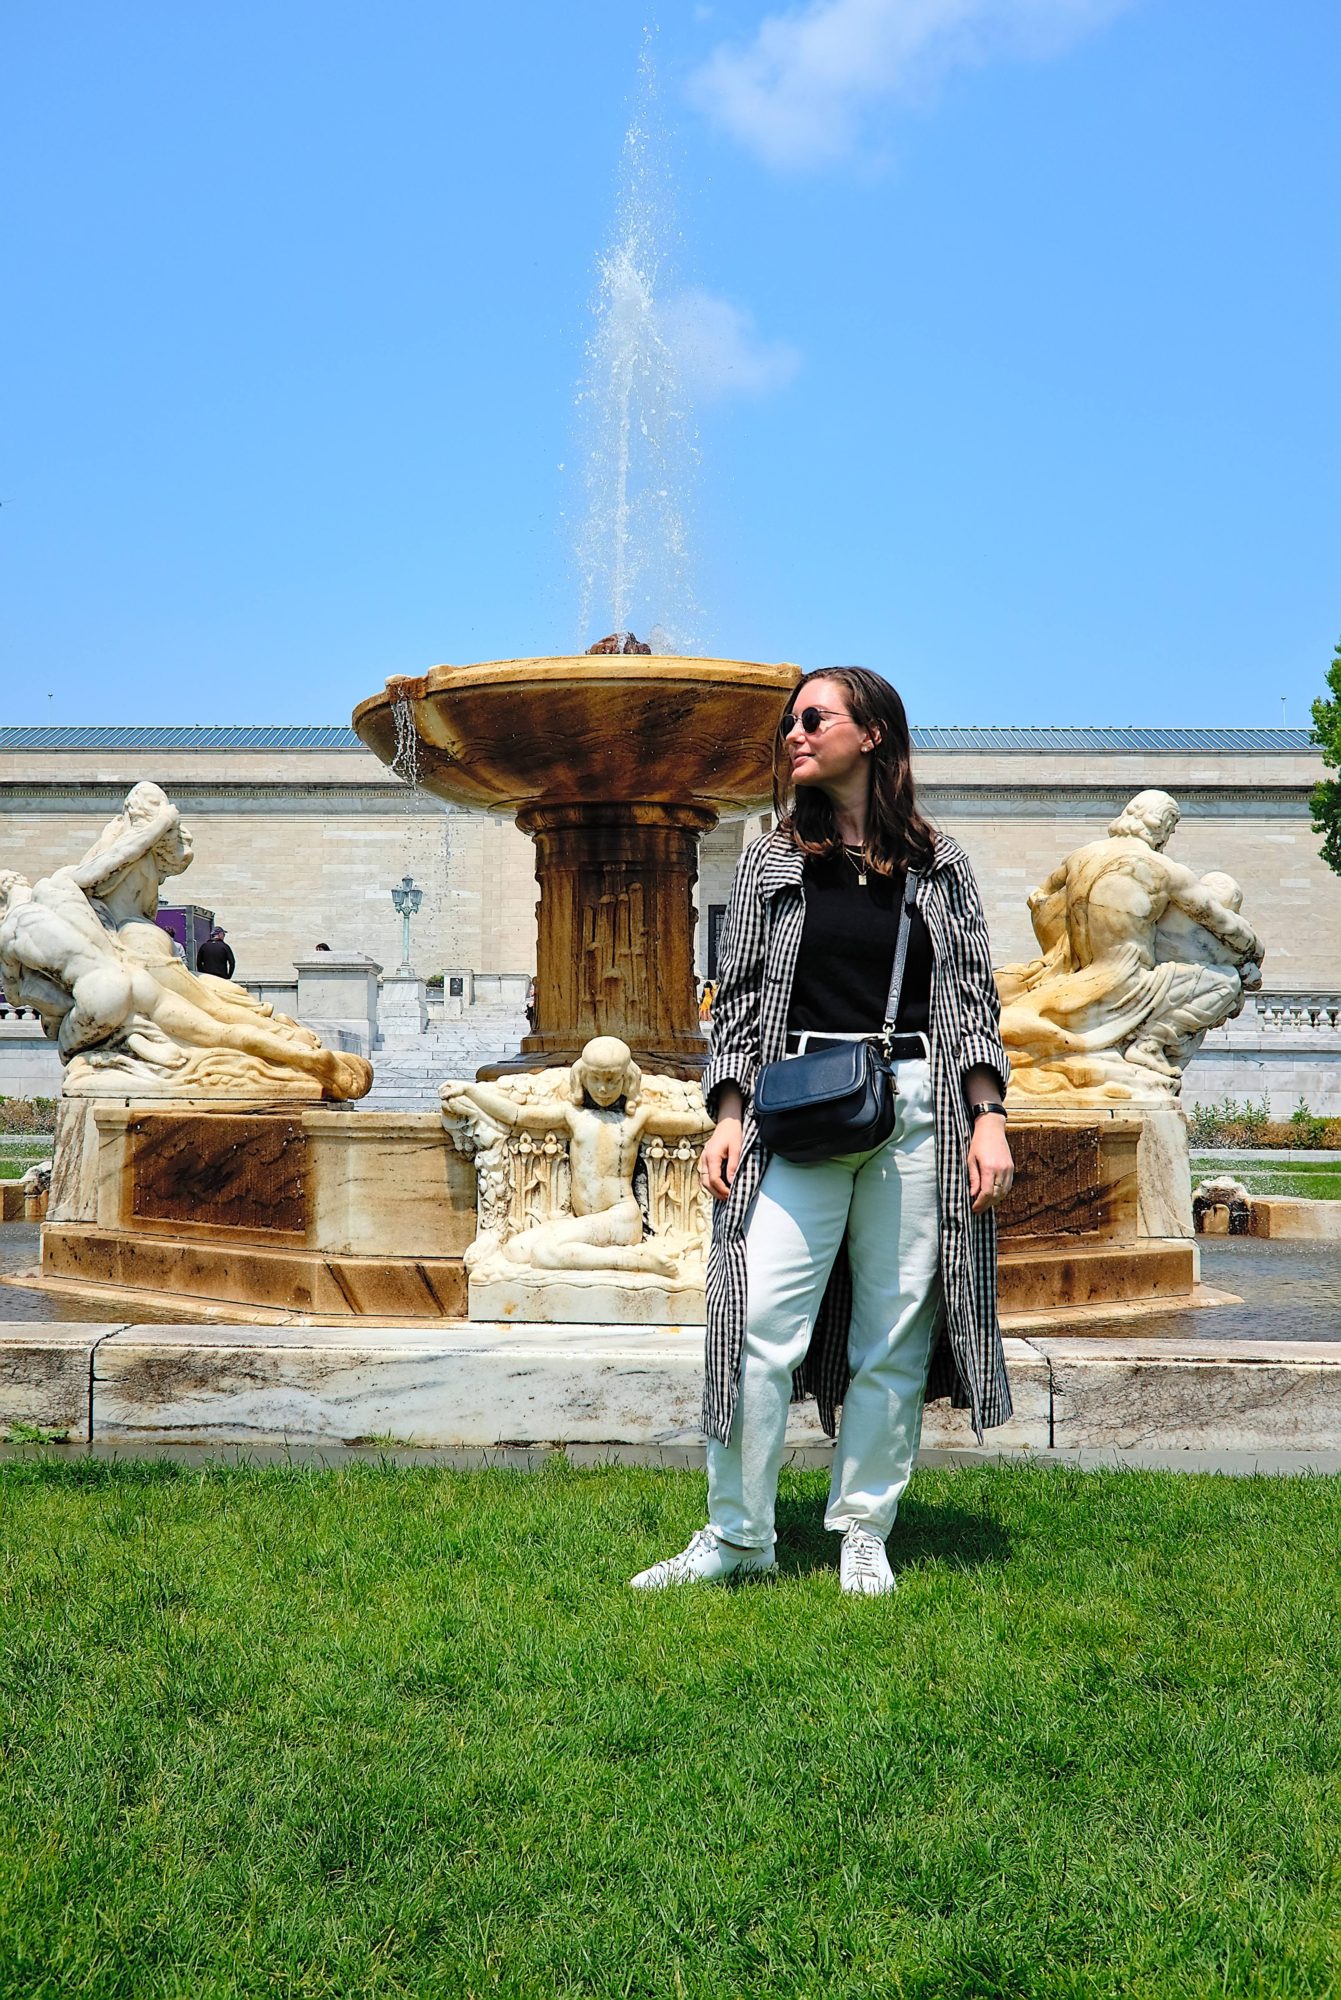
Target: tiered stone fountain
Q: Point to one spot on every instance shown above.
(615, 764)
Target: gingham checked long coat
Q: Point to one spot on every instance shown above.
(760, 945)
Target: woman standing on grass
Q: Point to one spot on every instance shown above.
(868, 1280)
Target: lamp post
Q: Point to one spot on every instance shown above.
(407, 900)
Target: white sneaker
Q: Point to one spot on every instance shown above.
(863, 1569)
(706, 1560)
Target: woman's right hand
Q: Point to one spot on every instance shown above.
(720, 1157)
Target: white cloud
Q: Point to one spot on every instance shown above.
(798, 94)
(719, 351)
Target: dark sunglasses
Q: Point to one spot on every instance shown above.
(809, 719)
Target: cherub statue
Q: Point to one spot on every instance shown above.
(600, 1108)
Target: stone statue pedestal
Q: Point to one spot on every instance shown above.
(1163, 1155)
(626, 1298)
(1075, 1229)
(337, 990)
(402, 1008)
(282, 1208)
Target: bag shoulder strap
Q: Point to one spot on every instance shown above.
(907, 904)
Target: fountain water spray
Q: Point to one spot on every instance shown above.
(640, 453)
(405, 763)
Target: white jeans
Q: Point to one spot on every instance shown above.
(886, 1203)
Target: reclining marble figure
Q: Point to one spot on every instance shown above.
(80, 946)
(556, 1156)
(1140, 960)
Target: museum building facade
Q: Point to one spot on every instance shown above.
(301, 834)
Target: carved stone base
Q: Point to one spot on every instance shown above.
(633, 1299)
(1142, 1150)
(191, 1271)
(1076, 1227)
(1095, 1276)
(291, 1208)
(74, 1158)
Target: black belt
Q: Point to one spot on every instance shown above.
(899, 1048)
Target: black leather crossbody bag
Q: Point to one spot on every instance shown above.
(840, 1098)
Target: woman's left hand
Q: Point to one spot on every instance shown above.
(990, 1167)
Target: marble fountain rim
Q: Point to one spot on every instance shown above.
(480, 706)
(779, 674)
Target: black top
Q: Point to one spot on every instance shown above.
(215, 956)
(847, 954)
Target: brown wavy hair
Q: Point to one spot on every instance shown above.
(897, 836)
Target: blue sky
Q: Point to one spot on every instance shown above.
(1016, 336)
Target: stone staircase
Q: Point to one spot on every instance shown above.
(408, 1070)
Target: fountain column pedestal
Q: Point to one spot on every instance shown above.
(615, 945)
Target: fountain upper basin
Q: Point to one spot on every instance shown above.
(583, 728)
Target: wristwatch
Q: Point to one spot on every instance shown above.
(997, 1109)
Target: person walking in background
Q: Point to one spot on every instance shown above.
(215, 956)
(705, 1000)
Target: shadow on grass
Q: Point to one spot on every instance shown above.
(947, 1537)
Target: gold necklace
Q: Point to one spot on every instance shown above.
(858, 860)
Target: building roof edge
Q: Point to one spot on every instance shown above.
(940, 739)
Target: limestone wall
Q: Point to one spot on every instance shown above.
(29, 1064)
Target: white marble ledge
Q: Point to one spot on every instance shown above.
(1209, 1352)
(469, 1385)
(80, 1335)
(457, 1337)
(464, 1386)
(609, 1342)
(1230, 1395)
(44, 1374)
(448, 1336)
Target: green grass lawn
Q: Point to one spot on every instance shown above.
(17, 1155)
(1317, 1180)
(390, 1732)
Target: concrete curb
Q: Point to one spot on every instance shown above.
(478, 1388)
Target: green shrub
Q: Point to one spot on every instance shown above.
(1230, 1123)
(1205, 1125)
(1251, 1125)
(1308, 1129)
(27, 1114)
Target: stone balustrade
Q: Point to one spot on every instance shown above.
(1281, 1015)
(1295, 1013)
(1283, 1049)
(25, 1019)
